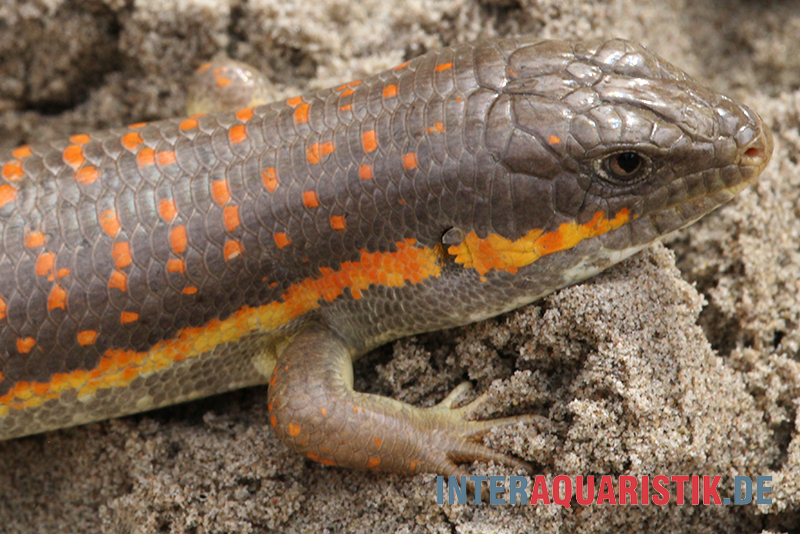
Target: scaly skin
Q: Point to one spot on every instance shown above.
(157, 263)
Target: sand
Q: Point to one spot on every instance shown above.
(681, 360)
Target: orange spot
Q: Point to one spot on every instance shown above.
(176, 266)
(132, 141)
(189, 290)
(294, 430)
(326, 461)
(57, 298)
(245, 114)
(145, 157)
(237, 134)
(554, 140)
(165, 157)
(128, 317)
(22, 152)
(437, 127)
(204, 67)
(373, 463)
(137, 125)
(87, 337)
(25, 344)
(121, 252)
(73, 156)
(118, 280)
(310, 199)
(337, 222)
(401, 66)
(274, 422)
(369, 140)
(220, 192)
(221, 80)
(231, 250)
(12, 171)
(62, 273)
(365, 172)
(412, 465)
(295, 101)
(346, 107)
(281, 240)
(178, 240)
(86, 175)
(377, 442)
(409, 161)
(317, 151)
(347, 92)
(324, 411)
(354, 83)
(167, 209)
(443, 66)
(80, 139)
(45, 263)
(110, 222)
(187, 124)
(389, 91)
(270, 177)
(230, 216)
(301, 113)
(34, 239)
(3, 311)
(7, 194)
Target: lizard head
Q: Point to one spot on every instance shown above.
(604, 147)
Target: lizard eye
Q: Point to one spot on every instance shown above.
(623, 167)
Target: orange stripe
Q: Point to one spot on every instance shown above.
(443, 66)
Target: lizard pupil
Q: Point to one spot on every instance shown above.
(624, 164)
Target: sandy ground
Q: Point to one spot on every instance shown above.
(649, 368)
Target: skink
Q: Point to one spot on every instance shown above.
(162, 262)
